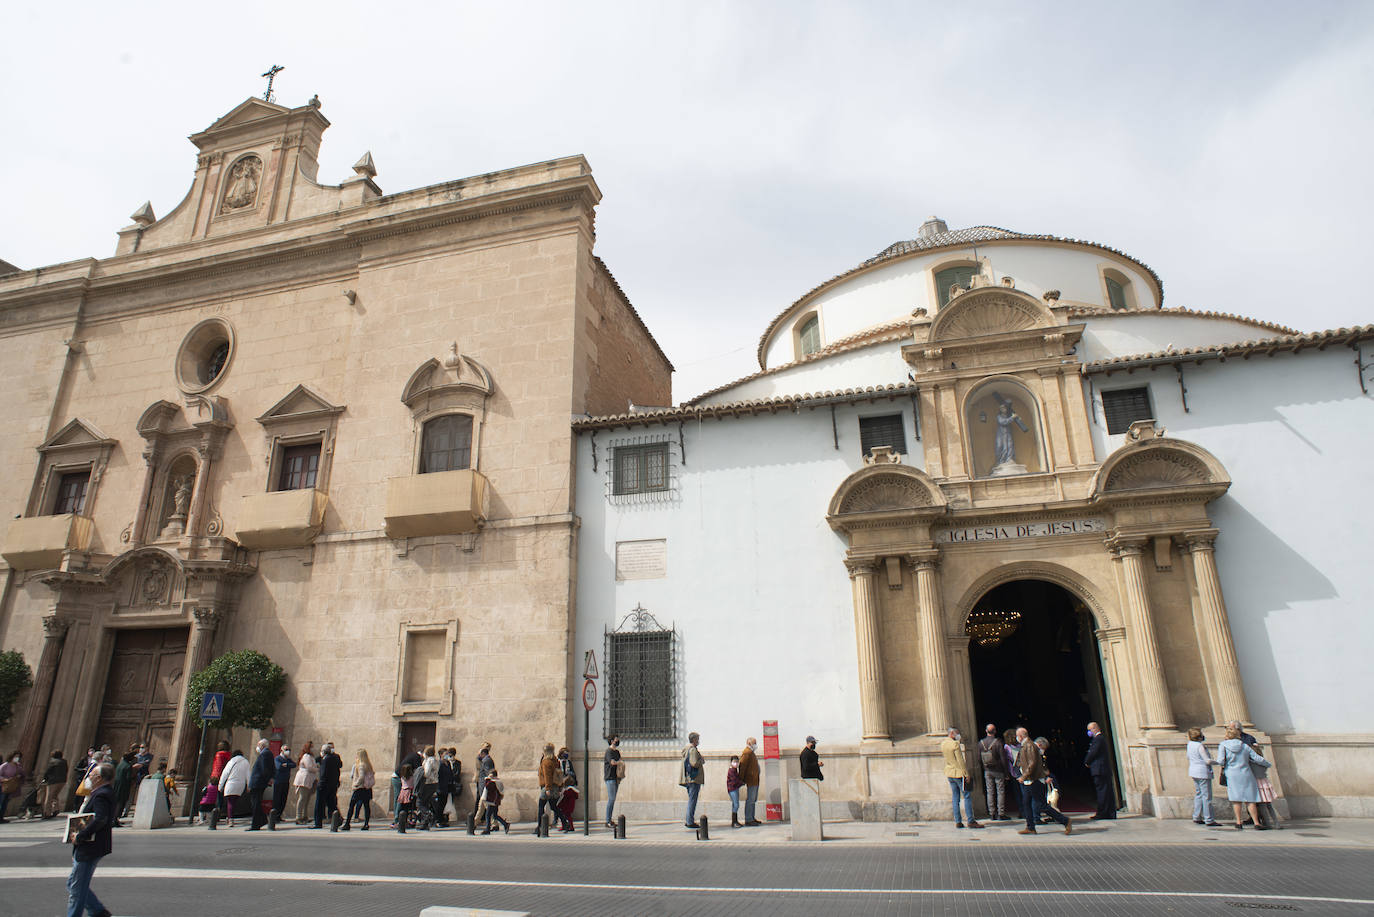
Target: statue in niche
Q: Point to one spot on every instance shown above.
(242, 189)
(1004, 448)
(181, 504)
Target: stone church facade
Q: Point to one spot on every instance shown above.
(322, 422)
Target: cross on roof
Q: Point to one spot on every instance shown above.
(271, 75)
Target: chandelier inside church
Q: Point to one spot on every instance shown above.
(989, 626)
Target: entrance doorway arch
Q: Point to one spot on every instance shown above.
(1034, 661)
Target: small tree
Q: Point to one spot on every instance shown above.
(252, 686)
(15, 676)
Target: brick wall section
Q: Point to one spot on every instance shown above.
(620, 360)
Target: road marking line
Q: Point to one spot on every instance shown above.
(263, 875)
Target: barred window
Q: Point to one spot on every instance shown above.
(641, 469)
(1124, 406)
(640, 687)
(885, 430)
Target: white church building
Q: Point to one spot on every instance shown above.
(988, 476)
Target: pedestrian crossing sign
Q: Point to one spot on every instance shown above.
(211, 706)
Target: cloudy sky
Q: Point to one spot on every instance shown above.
(748, 151)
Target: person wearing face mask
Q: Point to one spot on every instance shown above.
(281, 786)
(1099, 765)
(960, 782)
(749, 773)
(1200, 769)
(11, 781)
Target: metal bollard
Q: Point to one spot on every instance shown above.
(620, 827)
(401, 823)
(703, 832)
(472, 826)
(214, 818)
(541, 829)
(272, 820)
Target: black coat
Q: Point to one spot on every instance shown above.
(331, 765)
(1096, 758)
(811, 764)
(445, 776)
(264, 769)
(93, 841)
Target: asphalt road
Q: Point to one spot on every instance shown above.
(179, 873)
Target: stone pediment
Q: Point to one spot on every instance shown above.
(77, 433)
(455, 374)
(301, 401)
(1160, 463)
(884, 488)
(989, 311)
(246, 112)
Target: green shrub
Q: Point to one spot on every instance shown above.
(252, 686)
(15, 676)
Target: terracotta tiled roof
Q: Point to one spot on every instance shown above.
(1288, 343)
(748, 407)
(877, 334)
(952, 239)
(1076, 311)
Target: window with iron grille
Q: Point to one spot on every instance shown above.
(446, 444)
(1124, 406)
(640, 469)
(300, 466)
(640, 684)
(886, 430)
(71, 493)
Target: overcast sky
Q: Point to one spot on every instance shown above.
(748, 151)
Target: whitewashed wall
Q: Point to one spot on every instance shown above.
(756, 584)
(1296, 436)
(894, 290)
(1114, 335)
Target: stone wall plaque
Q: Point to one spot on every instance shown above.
(641, 559)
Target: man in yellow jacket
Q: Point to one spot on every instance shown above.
(960, 781)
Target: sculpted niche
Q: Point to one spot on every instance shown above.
(241, 189)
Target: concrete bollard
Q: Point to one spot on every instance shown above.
(472, 826)
(703, 832)
(620, 827)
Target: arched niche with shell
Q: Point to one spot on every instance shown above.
(987, 311)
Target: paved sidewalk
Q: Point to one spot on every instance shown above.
(1127, 830)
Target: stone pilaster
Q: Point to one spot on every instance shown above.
(872, 700)
(1153, 688)
(929, 615)
(185, 736)
(54, 636)
(1224, 668)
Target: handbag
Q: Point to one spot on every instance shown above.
(11, 785)
(1053, 798)
(620, 769)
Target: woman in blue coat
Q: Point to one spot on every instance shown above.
(1235, 758)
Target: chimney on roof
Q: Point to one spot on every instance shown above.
(932, 227)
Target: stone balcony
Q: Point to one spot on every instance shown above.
(281, 519)
(440, 503)
(38, 542)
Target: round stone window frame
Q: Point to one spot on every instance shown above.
(196, 351)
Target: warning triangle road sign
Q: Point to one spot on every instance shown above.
(212, 706)
(589, 668)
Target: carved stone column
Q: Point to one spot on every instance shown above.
(930, 615)
(872, 699)
(1229, 691)
(186, 737)
(54, 636)
(1153, 688)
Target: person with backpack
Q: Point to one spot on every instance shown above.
(693, 777)
(992, 751)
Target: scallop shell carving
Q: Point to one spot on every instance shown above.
(1157, 469)
(885, 493)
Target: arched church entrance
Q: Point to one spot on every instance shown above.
(1035, 662)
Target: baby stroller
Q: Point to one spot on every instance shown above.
(567, 802)
(413, 812)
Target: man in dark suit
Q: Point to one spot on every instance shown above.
(1099, 765)
(327, 798)
(91, 844)
(811, 761)
(264, 769)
